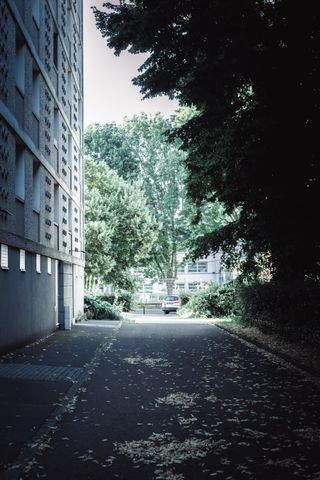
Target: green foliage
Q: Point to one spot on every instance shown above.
(215, 301)
(252, 71)
(110, 143)
(124, 300)
(207, 220)
(139, 149)
(185, 297)
(96, 309)
(120, 230)
(80, 317)
(162, 174)
(270, 306)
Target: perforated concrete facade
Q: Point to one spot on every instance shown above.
(41, 166)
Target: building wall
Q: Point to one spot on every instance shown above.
(41, 159)
(23, 320)
(193, 280)
(186, 280)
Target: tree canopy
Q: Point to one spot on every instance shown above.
(119, 229)
(252, 70)
(159, 166)
(110, 143)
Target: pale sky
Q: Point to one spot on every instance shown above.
(108, 91)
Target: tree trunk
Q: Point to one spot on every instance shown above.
(170, 285)
(172, 273)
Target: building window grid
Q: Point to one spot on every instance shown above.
(20, 75)
(22, 260)
(179, 287)
(198, 267)
(146, 288)
(192, 286)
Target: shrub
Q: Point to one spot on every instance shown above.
(215, 301)
(185, 297)
(95, 308)
(273, 305)
(124, 300)
(80, 317)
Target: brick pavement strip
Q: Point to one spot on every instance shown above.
(39, 372)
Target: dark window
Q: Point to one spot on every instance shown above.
(55, 48)
(36, 186)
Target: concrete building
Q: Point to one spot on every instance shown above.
(41, 168)
(191, 276)
(196, 275)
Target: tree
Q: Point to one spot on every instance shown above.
(159, 165)
(163, 175)
(111, 144)
(252, 70)
(120, 230)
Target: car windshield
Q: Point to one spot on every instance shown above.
(171, 298)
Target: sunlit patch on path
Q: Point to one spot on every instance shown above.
(148, 362)
(180, 399)
(164, 451)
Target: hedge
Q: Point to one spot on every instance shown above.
(124, 300)
(273, 304)
(95, 308)
(215, 301)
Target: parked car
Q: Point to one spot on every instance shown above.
(171, 303)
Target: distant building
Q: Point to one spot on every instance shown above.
(41, 167)
(191, 276)
(196, 275)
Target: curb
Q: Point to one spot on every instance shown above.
(276, 356)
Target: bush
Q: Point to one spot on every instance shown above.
(215, 301)
(185, 297)
(124, 300)
(95, 308)
(272, 306)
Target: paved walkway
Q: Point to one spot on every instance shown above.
(163, 402)
(39, 381)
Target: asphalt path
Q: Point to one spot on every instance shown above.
(174, 401)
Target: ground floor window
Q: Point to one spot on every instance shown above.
(22, 260)
(38, 263)
(4, 257)
(179, 287)
(193, 286)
